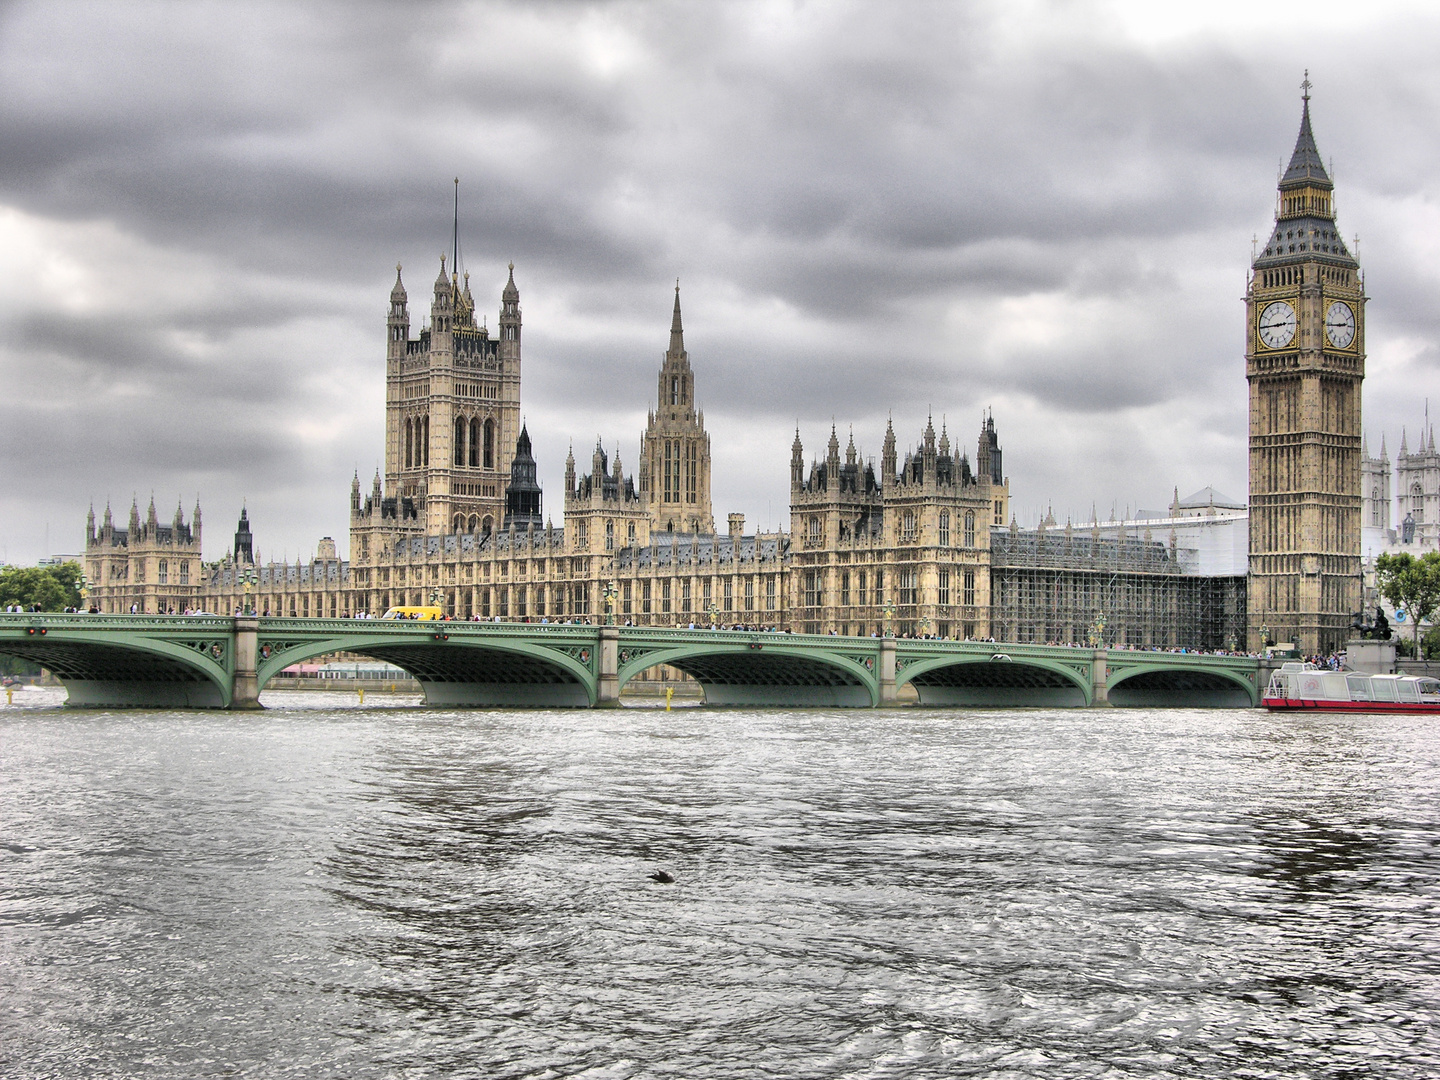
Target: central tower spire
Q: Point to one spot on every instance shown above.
(675, 450)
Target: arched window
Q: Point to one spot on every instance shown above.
(423, 453)
(1417, 503)
(969, 528)
(459, 448)
(944, 528)
(630, 534)
(907, 526)
(609, 536)
(409, 445)
(674, 389)
(459, 522)
(489, 444)
(474, 521)
(487, 525)
(474, 444)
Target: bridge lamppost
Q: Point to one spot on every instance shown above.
(608, 594)
(714, 612)
(925, 625)
(84, 592)
(247, 582)
(889, 609)
(1097, 631)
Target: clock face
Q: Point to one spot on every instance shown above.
(1340, 325)
(1277, 324)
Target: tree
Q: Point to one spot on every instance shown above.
(1412, 584)
(53, 588)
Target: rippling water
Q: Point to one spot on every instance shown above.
(322, 890)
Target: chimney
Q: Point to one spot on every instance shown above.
(737, 526)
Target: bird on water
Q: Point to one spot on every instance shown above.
(662, 877)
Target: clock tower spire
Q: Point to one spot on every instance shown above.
(1304, 361)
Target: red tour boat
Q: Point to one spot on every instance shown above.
(1298, 687)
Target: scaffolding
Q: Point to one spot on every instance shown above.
(1069, 588)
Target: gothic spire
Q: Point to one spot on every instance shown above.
(677, 332)
(1306, 168)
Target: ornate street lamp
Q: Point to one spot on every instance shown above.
(714, 612)
(1097, 631)
(608, 595)
(925, 625)
(889, 609)
(248, 581)
(84, 592)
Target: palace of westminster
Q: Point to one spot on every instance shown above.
(923, 544)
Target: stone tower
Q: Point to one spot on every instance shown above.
(675, 450)
(1304, 360)
(452, 410)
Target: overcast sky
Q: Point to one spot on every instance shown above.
(874, 209)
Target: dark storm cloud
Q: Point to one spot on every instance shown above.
(1031, 206)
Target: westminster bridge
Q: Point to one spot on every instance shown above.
(218, 662)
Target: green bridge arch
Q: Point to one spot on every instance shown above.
(155, 662)
(1162, 684)
(980, 679)
(762, 669)
(453, 666)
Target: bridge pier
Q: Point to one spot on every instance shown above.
(245, 688)
(888, 694)
(1099, 673)
(607, 694)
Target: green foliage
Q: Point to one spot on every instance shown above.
(1412, 584)
(1431, 644)
(54, 588)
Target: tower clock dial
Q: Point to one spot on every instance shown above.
(1277, 324)
(1340, 325)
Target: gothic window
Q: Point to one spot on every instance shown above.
(489, 444)
(770, 592)
(645, 597)
(845, 589)
(184, 573)
(907, 526)
(685, 595)
(692, 471)
(750, 592)
(630, 534)
(580, 538)
(729, 594)
(474, 522)
(814, 526)
(672, 470)
(164, 572)
(707, 599)
(907, 586)
(999, 512)
(609, 536)
(674, 390)
(487, 525)
(627, 603)
(424, 454)
(459, 523)
(474, 444)
(812, 591)
(409, 445)
(969, 528)
(459, 448)
(944, 528)
(860, 593)
(1417, 503)
(665, 597)
(944, 585)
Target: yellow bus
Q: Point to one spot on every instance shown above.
(414, 613)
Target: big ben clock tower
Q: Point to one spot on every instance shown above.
(1304, 360)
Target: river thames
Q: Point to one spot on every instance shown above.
(325, 890)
